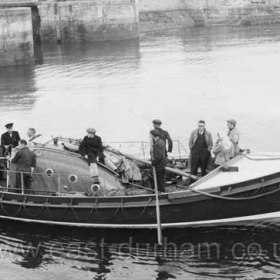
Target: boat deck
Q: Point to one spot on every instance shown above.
(248, 167)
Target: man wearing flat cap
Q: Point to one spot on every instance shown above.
(163, 135)
(91, 148)
(9, 139)
(159, 158)
(234, 137)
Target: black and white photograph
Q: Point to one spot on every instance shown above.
(139, 139)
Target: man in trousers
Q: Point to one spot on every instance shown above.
(91, 148)
(159, 159)
(200, 145)
(25, 161)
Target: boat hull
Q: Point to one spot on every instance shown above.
(251, 203)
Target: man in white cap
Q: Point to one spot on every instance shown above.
(234, 137)
(91, 148)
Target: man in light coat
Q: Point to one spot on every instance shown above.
(234, 137)
(200, 145)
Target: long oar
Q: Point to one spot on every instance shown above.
(169, 169)
(159, 231)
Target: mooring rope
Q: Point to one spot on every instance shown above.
(262, 159)
(234, 198)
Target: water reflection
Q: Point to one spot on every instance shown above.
(97, 254)
(179, 76)
(17, 88)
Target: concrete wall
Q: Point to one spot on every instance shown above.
(158, 14)
(88, 20)
(16, 39)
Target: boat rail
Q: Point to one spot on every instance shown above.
(61, 190)
(142, 148)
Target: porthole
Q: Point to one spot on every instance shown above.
(95, 188)
(38, 153)
(49, 172)
(72, 178)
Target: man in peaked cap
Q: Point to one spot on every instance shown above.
(9, 139)
(91, 148)
(159, 158)
(234, 137)
(163, 134)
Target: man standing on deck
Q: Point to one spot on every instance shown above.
(26, 162)
(159, 158)
(163, 135)
(91, 148)
(31, 134)
(9, 139)
(234, 137)
(200, 144)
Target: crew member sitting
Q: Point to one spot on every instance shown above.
(26, 162)
(91, 148)
(159, 159)
(9, 139)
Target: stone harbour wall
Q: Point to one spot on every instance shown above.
(16, 38)
(88, 20)
(163, 14)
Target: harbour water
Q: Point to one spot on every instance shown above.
(179, 76)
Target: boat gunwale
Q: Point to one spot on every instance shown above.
(166, 198)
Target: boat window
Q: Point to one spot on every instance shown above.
(49, 172)
(72, 178)
(95, 188)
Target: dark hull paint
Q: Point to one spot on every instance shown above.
(177, 209)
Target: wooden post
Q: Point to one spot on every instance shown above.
(8, 174)
(22, 183)
(159, 230)
(58, 184)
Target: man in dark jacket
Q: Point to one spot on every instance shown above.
(159, 158)
(91, 148)
(164, 135)
(26, 162)
(200, 144)
(9, 139)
